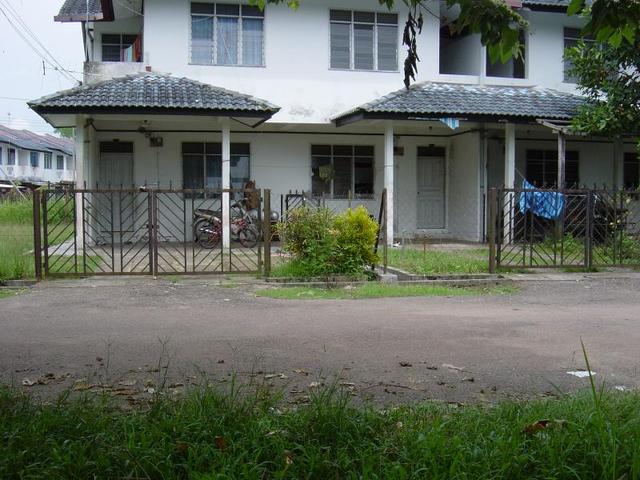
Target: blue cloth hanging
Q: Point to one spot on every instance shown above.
(547, 205)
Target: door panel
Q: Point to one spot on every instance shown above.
(431, 192)
(115, 171)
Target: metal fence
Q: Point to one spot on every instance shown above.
(582, 228)
(147, 231)
(294, 199)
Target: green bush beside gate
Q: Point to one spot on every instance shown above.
(324, 243)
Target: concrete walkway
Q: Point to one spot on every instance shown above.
(132, 332)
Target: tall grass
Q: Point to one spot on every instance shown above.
(16, 239)
(209, 435)
(16, 212)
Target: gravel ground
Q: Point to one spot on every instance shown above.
(137, 336)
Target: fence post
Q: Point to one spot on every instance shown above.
(491, 228)
(37, 235)
(266, 223)
(588, 260)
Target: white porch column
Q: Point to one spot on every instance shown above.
(509, 180)
(509, 155)
(388, 179)
(81, 161)
(562, 147)
(226, 184)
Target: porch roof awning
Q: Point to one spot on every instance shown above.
(433, 101)
(153, 94)
(85, 11)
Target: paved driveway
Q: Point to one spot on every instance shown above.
(118, 331)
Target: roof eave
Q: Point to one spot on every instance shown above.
(262, 115)
(360, 115)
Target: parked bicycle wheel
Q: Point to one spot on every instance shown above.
(248, 237)
(209, 235)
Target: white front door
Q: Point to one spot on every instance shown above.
(431, 192)
(116, 210)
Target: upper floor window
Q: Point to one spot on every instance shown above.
(340, 171)
(227, 34)
(631, 171)
(11, 158)
(60, 162)
(364, 40)
(512, 68)
(47, 160)
(542, 168)
(572, 37)
(121, 48)
(33, 157)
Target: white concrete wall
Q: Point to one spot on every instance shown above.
(464, 196)
(296, 75)
(23, 171)
(291, 170)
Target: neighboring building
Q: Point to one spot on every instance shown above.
(311, 100)
(33, 159)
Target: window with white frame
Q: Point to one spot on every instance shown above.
(117, 47)
(512, 68)
(1, 152)
(11, 156)
(227, 34)
(573, 36)
(342, 170)
(47, 160)
(631, 171)
(363, 40)
(59, 162)
(33, 158)
(202, 165)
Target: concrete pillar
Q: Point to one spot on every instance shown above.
(388, 179)
(509, 180)
(509, 155)
(81, 161)
(562, 148)
(226, 184)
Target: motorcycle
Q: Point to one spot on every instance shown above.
(207, 227)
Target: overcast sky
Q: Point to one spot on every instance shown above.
(21, 72)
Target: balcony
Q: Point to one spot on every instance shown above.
(99, 71)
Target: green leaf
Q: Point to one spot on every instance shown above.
(575, 6)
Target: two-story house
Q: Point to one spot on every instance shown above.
(33, 159)
(213, 94)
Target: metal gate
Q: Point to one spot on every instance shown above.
(146, 232)
(585, 228)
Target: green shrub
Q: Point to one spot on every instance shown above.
(355, 239)
(323, 243)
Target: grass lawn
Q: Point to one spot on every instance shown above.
(10, 292)
(208, 435)
(377, 290)
(431, 261)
